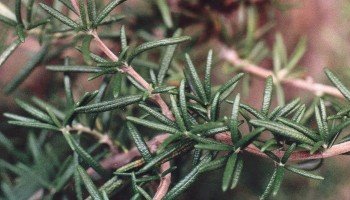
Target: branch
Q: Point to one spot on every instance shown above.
(308, 84)
(166, 180)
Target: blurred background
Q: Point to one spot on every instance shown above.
(215, 24)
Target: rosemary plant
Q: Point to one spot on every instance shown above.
(132, 130)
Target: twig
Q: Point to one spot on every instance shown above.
(318, 89)
(166, 180)
(103, 138)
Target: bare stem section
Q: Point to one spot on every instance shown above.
(308, 84)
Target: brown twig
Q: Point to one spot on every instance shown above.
(166, 180)
(308, 84)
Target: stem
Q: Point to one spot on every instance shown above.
(318, 89)
(103, 138)
(166, 180)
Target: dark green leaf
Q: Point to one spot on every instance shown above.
(153, 125)
(159, 116)
(7, 20)
(153, 44)
(247, 139)
(341, 87)
(91, 9)
(235, 135)
(228, 172)
(140, 143)
(106, 10)
(278, 180)
(178, 116)
(303, 129)
(207, 77)
(165, 12)
(228, 87)
(267, 95)
(8, 51)
(93, 191)
(269, 187)
(167, 58)
(214, 147)
(184, 183)
(33, 111)
(61, 17)
(38, 125)
(197, 84)
(289, 152)
(237, 172)
(283, 130)
(109, 105)
(303, 173)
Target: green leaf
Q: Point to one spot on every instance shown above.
(18, 12)
(75, 68)
(106, 10)
(228, 172)
(299, 114)
(252, 111)
(320, 124)
(61, 17)
(9, 50)
(139, 141)
(7, 20)
(167, 58)
(91, 9)
(53, 117)
(123, 38)
(267, 95)
(237, 172)
(183, 104)
(235, 135)
(299, 127)
(201, 128)
(93, 191)
(214, 107)
(269, 187)
(86, 157)
(68, 91)
(170, 152)
(178, 116)
(38, 125)
(283, 130)
(316, 147)
(248, 138)
(69, 5)
(21, 32)
(26, 70)
(159, 116)
(109, 105)
(229, 86)
(285, 110)
(116, 84)
(165, 12)
(214, 165)
(194, 78)
(153, 125)
(297, 54)
(33, 111)
(214, 147)
(82, 14)
(341, 87)
(303, 173)
(278, 180)
(153, 44)
(85, 48)
(186, 182)
(287, 153)
(207, 76)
